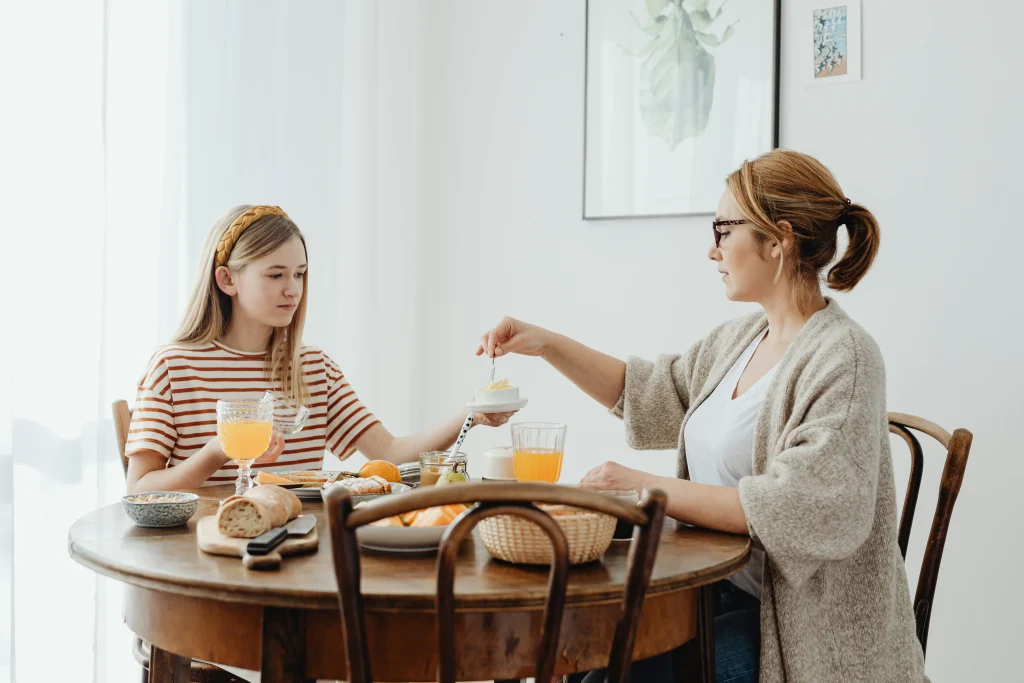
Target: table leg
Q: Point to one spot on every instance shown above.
(167, 667)
(706, 632)
(284, 646)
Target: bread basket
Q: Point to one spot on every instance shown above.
(520, 541)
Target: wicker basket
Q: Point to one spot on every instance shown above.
(517, 540)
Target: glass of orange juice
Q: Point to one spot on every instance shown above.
(245, 429)
(537, 449)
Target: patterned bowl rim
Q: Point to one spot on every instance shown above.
(185, 498)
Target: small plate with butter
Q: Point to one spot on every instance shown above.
(497, 397)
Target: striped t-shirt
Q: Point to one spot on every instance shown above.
(175, 411)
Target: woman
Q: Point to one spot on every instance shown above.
(242, 335)
(780, 422)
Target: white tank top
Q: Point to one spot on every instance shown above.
(719, 442)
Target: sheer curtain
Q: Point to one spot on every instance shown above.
(134, 126)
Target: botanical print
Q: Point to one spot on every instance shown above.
(830, 53)
(677, 84)
(678, 94)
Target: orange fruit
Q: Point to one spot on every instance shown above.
(409, 518)
(455, 509)
(388, 521)
(382, 468)
(432, 517)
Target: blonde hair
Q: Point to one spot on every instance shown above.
(784, 185)
(209, 310)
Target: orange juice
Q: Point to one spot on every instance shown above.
(537, 464)
(245, 440)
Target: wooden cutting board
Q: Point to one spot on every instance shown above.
(212, 541)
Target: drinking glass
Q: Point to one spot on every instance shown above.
(289, 415)
(245, 429)
(537, 449)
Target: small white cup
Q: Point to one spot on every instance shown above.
(498, 464)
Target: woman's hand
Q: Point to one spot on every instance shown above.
(492, 419)
(612, 475)
(513, 336)
(274, 451)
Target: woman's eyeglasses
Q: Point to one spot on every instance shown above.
(715, 224)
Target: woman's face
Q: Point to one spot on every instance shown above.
(748, 265)
(269, 289)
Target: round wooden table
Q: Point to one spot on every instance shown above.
(286, 623)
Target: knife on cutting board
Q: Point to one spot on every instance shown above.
(260, 552)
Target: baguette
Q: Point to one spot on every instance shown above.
(244, 518)
(259, 510)
(289, 504)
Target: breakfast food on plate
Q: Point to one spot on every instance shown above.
(381, 468)
(497, 392)
(256, 512)
(308, 478)
(268, 478)
(451, 478)
(363, 486)
(442, 515)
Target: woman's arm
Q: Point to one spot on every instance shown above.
(377, 443)
(703, 505)
(148, 471)
(601, 376)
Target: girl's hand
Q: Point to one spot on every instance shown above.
(274, 451)
(513, 336)
(492, 419)
(612, 475)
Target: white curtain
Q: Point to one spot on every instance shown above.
(127, 128)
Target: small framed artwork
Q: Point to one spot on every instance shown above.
(832, 41)
(678, 94)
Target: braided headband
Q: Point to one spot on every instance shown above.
(235, 230)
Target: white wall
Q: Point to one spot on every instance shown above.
(929, 140)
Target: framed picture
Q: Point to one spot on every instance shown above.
(678, 94)
(832, 41)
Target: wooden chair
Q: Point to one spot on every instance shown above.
(200, 672)
(957, 445)
(495, 499)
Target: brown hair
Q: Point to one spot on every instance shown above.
(209, 310)
(784, 185)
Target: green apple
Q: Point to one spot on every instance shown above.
(451, 478)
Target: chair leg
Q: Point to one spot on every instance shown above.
(167, 667)
(706, 632)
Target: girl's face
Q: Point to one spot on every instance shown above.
(748, 265)
(269, 289)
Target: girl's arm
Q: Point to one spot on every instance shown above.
(377, 443)
(148, 471)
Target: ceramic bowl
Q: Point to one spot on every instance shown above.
(168, 508)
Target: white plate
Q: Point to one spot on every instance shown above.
(386, 549)
(317, 493)
(403, 539)
(507, 407)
